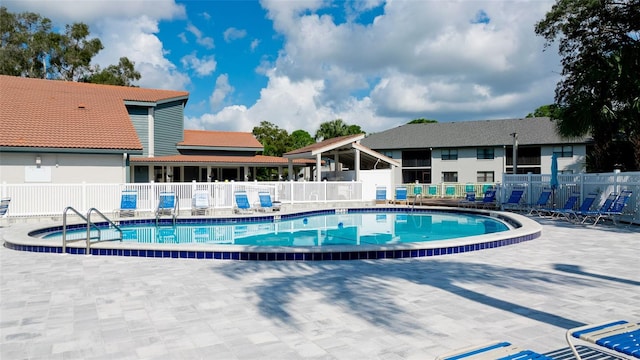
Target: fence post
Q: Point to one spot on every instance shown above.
(152, 191)
(83, 186)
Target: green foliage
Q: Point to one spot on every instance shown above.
(274, 140)
(422, 121)
(336, 128)
(299, 139)
(30, 48)
(549, 111)
(599, 41)
(121, 74)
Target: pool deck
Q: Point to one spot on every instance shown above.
(55, 306)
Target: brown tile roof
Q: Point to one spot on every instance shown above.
(252, 160)
(61, 114)
(227, 139)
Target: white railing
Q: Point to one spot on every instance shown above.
(602, 184)
(33, 200)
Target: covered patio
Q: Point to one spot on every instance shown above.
(343, 156)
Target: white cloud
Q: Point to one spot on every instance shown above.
(69, 11)
(234, 34)
(139, 42)
(205, 41)
(202, 66)
(222, 89)
(121, 33)
(254, 44)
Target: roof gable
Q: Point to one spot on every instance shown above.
(37, 113)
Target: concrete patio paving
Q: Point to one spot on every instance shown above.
(55, 306)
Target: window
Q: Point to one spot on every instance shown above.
(485, 153)
(421, 176)
(485, 176)
(449, 154)
(387, 153)
(416, 158)
(563, 151)
(450, 176)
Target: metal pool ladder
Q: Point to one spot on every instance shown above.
(90, 225)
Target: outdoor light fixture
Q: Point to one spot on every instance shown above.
(38, 160)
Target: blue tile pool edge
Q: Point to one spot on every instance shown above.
(281, 256)
(297, 255)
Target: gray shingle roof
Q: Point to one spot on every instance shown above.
(531, 131)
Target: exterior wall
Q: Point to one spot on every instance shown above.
(57, 168)
(140, 118)
(575, 164)
(467, 165)
(168, 127)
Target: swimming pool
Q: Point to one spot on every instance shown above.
(331, 234)
(352, 229)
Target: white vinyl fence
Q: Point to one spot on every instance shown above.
(32, 200)
(602, 184)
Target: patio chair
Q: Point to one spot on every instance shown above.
(401, 195)
(493, 350)
(514, 200)
(432, 191)
(488, 200)
(620, 336)
(381, 195)
(450, 191)
(469, 199)
(542, 202)
(615, 210)
(582, 216)
(4, 206)
(567, 208)
(201, 203)
(167, 205)
(242, 203)
(265, 202)
(128, 204)
(570, 214)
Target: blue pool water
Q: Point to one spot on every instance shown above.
(379, 228)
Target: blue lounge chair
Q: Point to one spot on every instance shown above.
(619, 336)
(381, 195)
(573, 215)
(242, 202)
(4, 206)
(469, 199)
(488, 200)
(401, 195)
(265, 202)
(200, 203)
(494, 350)
(616, 208)
(568, 208)
(167, 205)
(542, 202)
(593, 214)
(513, 202)
(433, 190)
(128, 203)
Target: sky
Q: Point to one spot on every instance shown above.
(297, 63)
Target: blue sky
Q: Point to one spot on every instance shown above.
(299, 63)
